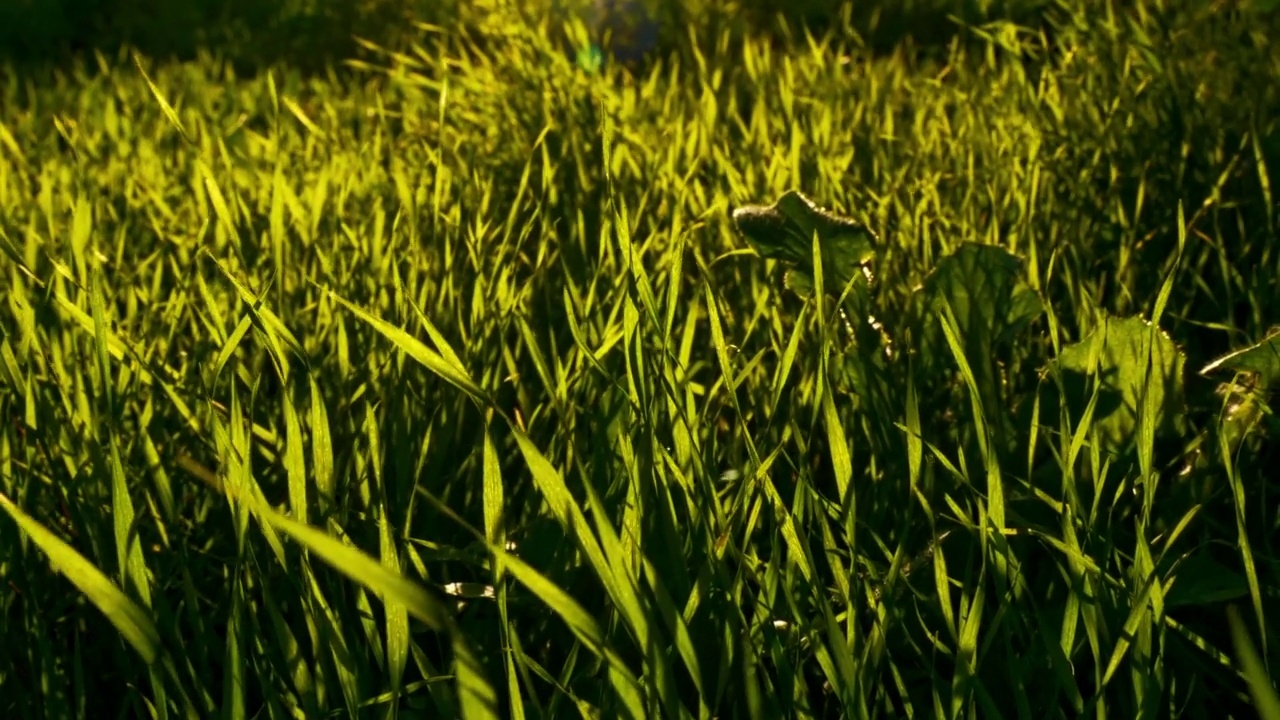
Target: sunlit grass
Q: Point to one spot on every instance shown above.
(448, 386)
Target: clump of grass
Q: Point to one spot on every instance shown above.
(451, 387)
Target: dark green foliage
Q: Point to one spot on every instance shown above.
(445, 383)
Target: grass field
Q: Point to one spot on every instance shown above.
(463, 381)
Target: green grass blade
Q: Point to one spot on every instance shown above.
(130, 619)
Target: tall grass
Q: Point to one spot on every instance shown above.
(447, 386)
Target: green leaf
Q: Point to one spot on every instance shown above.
(784, 231)
(1264, 695)
(984, 287)
(444, 363)
(477, 696)
(1121, 371)
(128, 617)
(360, 567)
(1262, 358)
(583, 625)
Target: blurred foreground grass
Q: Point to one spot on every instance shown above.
(446, 386)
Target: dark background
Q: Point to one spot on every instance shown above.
(310, 35)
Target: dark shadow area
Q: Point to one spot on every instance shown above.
(43, 35)
(38, 36)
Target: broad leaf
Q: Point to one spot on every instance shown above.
(784, 231)
(1121, 370)
(1262, 358)
(1247, 401)
(984, 288)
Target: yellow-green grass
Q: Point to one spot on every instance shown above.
(447, 386)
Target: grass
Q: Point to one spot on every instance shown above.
(448, 385)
